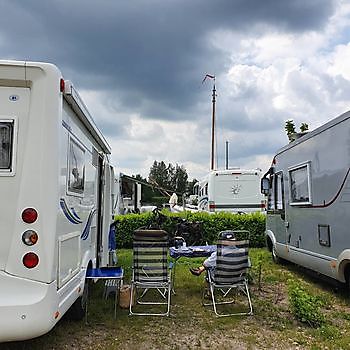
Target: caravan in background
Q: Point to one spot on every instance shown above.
(232, 190)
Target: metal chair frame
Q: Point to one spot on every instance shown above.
(150, 270)
(230, 273)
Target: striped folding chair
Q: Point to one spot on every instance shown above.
(228, 281)
(150, 272)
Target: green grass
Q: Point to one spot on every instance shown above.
(193, 326)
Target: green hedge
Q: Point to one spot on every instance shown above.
(212, 225)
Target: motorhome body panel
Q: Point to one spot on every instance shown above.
(34, 180)
(314, 229)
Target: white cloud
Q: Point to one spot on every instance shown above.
(340, 61)
(271, 75)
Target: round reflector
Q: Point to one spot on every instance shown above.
(29, 215)
(30, 260)
(30, 237)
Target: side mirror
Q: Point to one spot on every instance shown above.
(265, 186)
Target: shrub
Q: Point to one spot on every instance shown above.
(305, 307)
(212, 224)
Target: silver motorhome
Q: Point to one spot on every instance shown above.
(308, 188)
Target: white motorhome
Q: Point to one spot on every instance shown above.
(56, 203)
(308, 189)
(233, 190)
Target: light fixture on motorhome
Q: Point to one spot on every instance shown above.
(29, 215)
(62, 85)
(30, 237)
(30, 260)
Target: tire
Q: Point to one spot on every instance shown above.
(347, 278)
(275, 257)
(78, 310)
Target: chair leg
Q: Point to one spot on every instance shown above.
(167, 302)
(244, 289)
(131, 299)
(249, 300)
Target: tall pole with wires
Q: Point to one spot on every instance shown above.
(212, 162)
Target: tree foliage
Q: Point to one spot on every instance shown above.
(173, 178)
(291, 131)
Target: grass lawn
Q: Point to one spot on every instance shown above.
(192, 326)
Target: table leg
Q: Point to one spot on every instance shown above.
(174, 274)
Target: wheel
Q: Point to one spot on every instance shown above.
(275, 257)
(78, 309)
(347, 278)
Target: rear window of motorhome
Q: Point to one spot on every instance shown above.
(6, 140)
(76, 168)
(300, 185)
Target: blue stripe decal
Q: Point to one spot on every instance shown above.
(74, 219)
(75, 214)
(86, 232)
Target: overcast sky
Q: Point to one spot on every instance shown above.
(139, 66)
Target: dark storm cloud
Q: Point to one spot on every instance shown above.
(151, 54)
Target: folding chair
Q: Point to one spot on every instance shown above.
(228, 280)
(150, 271)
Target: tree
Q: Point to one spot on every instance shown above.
(290, 129)
(159, 174)
(304, 127)
(173, 178)
(179, 181)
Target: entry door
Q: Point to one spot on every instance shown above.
(277, 212)
(100, 200)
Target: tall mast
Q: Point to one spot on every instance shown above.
(212, 163)
(213, 128)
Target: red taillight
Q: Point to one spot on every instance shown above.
(212, 206)
(62, 85)
(30, 260)
(29, 215)
(30, 237)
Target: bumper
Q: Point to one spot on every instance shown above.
(27, 308)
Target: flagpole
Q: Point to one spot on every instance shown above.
(213, 129)
(212, 163)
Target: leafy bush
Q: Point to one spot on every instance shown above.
(305, 307)
(212, 224)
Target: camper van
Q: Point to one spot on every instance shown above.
(57, 193)
(308, 188)
(233, 190)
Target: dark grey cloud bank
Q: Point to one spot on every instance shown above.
(151, 53)
(148, 57)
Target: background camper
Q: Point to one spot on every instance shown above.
(232, 190)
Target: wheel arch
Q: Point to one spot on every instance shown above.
(270, 240)
(343, 270)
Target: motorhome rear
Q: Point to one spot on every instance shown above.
(233, 190)
(56, 188)
(308, 188)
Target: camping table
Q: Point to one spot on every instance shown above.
(107, 273)
(190, 252)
